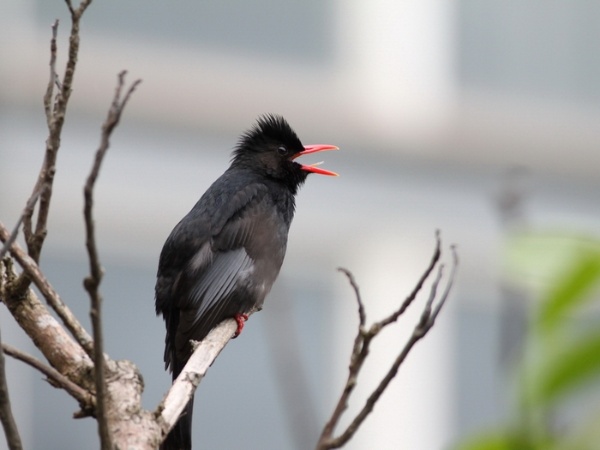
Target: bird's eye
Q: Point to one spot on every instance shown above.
(283, 151)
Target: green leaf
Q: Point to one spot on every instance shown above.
(535, 260)
(572, 289)
(490, 442)
(569, 368)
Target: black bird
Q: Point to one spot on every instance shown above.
(222, 258)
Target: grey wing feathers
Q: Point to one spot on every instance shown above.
(216, 294)
(219, 280)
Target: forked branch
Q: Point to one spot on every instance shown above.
(56, 109)
(364, 338)
(34, 273)
(92, 282)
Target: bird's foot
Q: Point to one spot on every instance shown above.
(240, 319)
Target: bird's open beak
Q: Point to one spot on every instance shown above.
(308, 149)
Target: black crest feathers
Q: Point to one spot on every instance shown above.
(269, 129)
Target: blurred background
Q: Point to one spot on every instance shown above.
(473, 117)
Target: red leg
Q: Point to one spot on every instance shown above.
(240, 319)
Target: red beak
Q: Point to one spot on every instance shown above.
(313, 167)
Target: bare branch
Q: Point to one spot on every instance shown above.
(361, 350)
(92, 282)
(55, 378)
(70, 6)
(36, 275)
(15, 231)
(53, 79)
(183, 387)
(361, 308)
(426, 314)
(407, 302)
(55, 114)
(449, 285)
(80, 10)
(61, 351)
(11, 431)
(42, 182)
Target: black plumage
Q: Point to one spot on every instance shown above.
(222, 258)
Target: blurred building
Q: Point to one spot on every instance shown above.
(432, 102)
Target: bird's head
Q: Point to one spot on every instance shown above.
(271, 148)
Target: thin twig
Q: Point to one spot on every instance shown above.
(15, 231)
(39, 279)
(92, 282)
(362, 317)
(55, 378)
(426, 313)
(420, 330)
(11, 431)
(77, 13)
(362, 344)
(55, 115)
(70, 6)
(360, 351)
(53, 79)
(449, 285)
(407, 302)
(42, 181)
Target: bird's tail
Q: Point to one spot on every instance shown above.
(180, 437)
